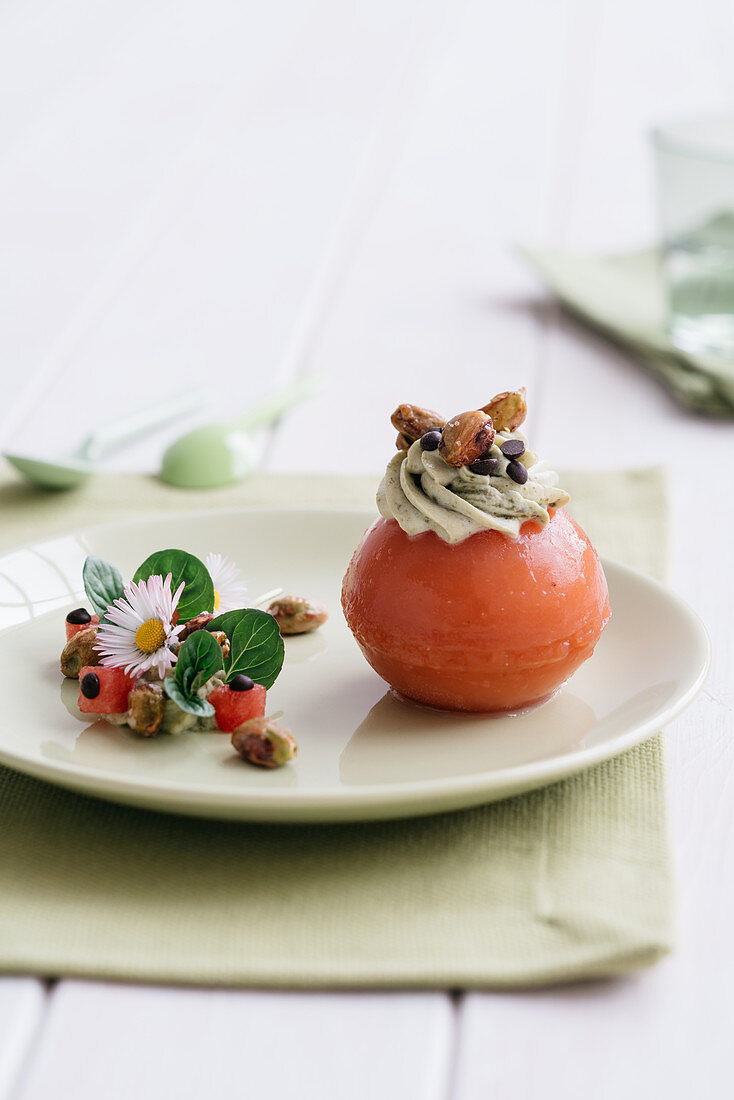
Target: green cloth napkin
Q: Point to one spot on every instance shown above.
(622, 297)
(568, 882)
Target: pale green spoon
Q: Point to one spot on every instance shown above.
(70, 470)
(220, 454)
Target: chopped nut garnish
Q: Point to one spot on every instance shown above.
(263, 742)
(223, 640)
(78, 652)
(412, 421)
(146, 707)
(466, 437)
(296, 615)
(508, 410)
(402, 442)
(199, 622)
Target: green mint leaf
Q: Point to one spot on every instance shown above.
(199, 657)
(102, 583)
(228, 621)
(198, 594)
(256, 647)
(192, 704)
(198, 681)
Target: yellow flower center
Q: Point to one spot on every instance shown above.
(217, 600)
(150, 635)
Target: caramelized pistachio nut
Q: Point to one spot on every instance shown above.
(508, 410)
(263, 742)
(223, 640)
(78, 652)
(146, 707)
(199, 622)
(297, 615)
(402, 442)
(466, 437)
(412, 421)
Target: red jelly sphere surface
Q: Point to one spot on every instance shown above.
(488, 624)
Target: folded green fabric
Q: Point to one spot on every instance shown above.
(568, 882)
(622, 297)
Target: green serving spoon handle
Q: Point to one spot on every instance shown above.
(271, 408)
(117, 432)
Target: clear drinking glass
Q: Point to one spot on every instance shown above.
(695, 175)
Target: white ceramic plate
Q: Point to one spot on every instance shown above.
(363, 754)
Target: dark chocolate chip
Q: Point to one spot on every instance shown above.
(513, 448)
(240, 682)
(78, 616)
(89, 685)
(430, 440)
(517, 472)
(485, 466)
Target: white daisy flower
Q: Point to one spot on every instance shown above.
(140, 627)
(229, 593)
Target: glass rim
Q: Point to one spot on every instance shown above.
(675, 137)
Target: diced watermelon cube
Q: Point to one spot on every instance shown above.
(114, 687)
(74, 628)
(232, 708)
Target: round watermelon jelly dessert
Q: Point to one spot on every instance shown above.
(475, 590)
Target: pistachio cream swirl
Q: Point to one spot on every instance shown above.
(424, 493)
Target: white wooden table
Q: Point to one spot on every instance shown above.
(232, 192)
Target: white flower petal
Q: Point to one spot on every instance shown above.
(116, 640)
(224, 574)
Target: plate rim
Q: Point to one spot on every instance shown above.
(287, 804)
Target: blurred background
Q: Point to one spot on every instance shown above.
(230, 193)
